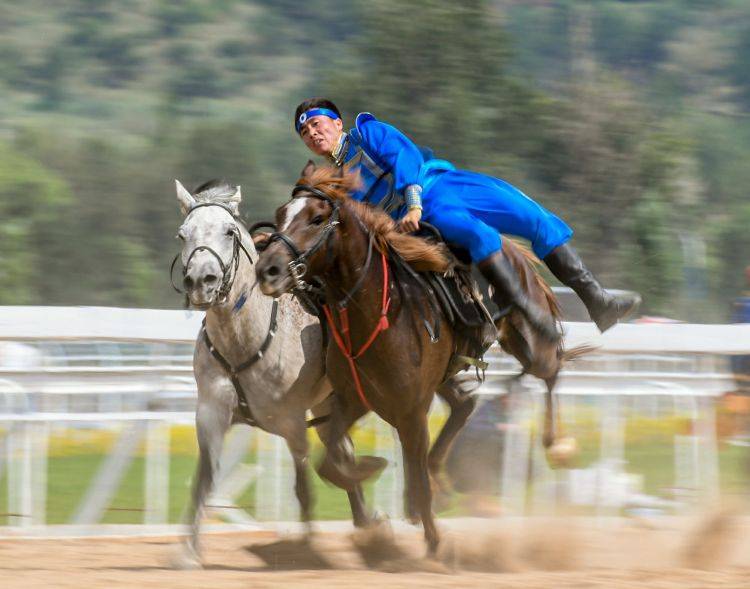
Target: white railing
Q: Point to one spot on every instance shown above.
(682, 361)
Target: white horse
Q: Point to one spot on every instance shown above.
(254, 362)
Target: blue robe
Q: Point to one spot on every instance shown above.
(469, 209)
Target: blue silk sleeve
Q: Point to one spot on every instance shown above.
(391, 148)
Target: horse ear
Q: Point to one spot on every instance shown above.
(234, 203)
(184, 197)
(308, 170)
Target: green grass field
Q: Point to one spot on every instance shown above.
(73, 464)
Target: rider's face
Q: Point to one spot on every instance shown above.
(321, 134)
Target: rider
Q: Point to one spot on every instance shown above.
(469, 209)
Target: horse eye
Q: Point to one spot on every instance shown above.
(231, 230)
(317, 220)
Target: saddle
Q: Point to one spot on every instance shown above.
(456, 294)
(459, 296)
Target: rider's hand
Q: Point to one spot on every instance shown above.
(410, 221)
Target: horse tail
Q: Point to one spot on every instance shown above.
(575, 353)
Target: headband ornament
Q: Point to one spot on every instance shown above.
(314, 112)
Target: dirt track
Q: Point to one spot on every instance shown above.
(543, 554)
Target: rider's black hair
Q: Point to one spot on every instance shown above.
(306, 105)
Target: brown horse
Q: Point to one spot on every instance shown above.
(383, 359)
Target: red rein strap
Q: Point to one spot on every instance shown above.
(343, 338)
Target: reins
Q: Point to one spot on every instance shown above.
(343, 337)
(298, 268)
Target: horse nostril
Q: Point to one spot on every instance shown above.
(188, 282)
(210, 279)
(273, 271)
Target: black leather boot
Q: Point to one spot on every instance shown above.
(508, 291)
(604, 308)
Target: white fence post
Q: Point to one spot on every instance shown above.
(686, 452)
(157, 473)
(40, 447)
(389, 488)
(20, 486)
(516, 451)
(710, 449)
(611, 455)
(274, 493)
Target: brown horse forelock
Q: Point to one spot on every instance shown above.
(422, 255)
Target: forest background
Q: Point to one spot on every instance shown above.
(629, 119)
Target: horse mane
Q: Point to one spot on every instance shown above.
(217, 191)
(527, 266)
(419, 253)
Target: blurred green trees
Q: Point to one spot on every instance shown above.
(629, 119)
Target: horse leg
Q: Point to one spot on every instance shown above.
(361, 516)
(558, 450)
(343, 453)
(456, 394)
(411, 511)
(333, 468)
(415, 441)
(212, 422)
(551, 413)
(297, 443)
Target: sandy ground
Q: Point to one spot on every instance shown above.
(541, 553)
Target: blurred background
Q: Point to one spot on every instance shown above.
(629, 119)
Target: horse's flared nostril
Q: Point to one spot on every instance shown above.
(273, 271)
(188, 282)
(210, 279)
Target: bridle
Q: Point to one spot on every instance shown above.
(228, 270)
(298, 265)
(298, 269)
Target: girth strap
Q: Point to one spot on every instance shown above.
(233, 372)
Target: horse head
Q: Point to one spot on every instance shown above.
(213, 239)
(321, 224)
(302, 248)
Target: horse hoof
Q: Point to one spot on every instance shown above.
(348, 476)
(185, 559)
(309, 531)
(368, 467)
(335, 475)
(413, 519)
(561, 452)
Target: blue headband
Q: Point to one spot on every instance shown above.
(314, 112)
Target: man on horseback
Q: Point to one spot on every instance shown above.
(471, 210)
